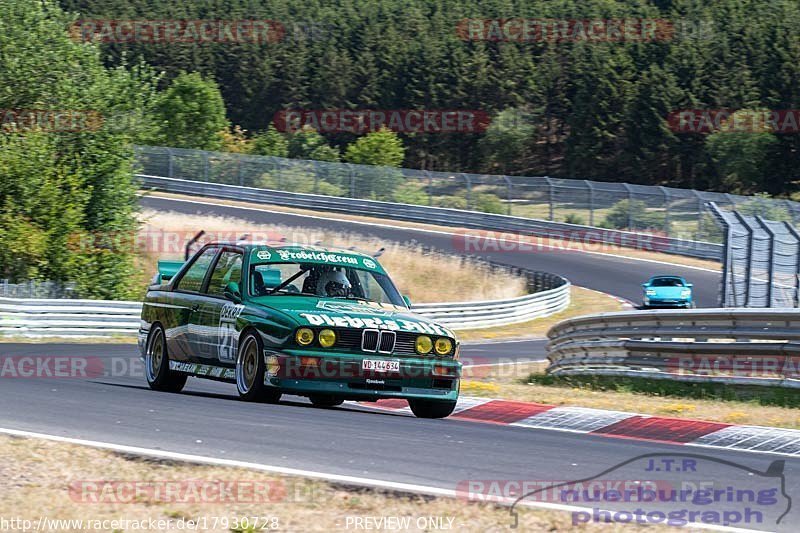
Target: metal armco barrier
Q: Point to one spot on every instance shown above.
(733, 346)
(438, 215)
(59, 318)
(92, 318)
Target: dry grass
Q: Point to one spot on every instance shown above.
(584, 302)
(423, 276)
(569, 247)
(36, 476)
(511, 382)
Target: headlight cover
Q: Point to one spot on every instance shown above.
(424, 345)
(443, 346)
(304, 336)
(327, 338)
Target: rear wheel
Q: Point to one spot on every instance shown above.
(431, 408)
(320, 400)
(250, 368)
(156, 364)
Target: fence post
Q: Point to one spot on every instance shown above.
(352, 180)
(665, 192)
(509, 187)
(315, 164)
(771, 264)
(591, 201)
(170, 163)
(206, 165)
(630, 205)
(468, 183)
(700, 208)
(727, 272)
(239, 175)
(430, 186)
(796, 236)
(550, 197)
(748, 271)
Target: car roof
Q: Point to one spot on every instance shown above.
(256, 245)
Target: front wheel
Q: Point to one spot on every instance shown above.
(250, 368)
(319, 400)
(431, 408)
(156, 364)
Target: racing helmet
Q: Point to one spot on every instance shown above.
(333, 283)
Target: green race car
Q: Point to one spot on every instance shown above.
(304, 320)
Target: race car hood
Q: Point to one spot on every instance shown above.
(668, 292)
(339, 313)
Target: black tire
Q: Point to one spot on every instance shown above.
(431, 408)
(250, 368)
(321, 400)
(156, 364)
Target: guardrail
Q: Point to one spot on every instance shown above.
(733, 346)
(585, 235)
(92, 318)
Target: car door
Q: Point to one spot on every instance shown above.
(217, 315)
(187, 295)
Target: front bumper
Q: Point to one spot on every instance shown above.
(342, 375)
(664, 302)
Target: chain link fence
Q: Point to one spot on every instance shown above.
(761, 260)
(664, 211)
(37, 289)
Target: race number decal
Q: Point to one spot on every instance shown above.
(228, 337)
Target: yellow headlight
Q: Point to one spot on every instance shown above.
(327, 338)
(424, 344)
(443, 346)
(304, 336)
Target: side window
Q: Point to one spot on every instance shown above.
(229, 268)
(192, 280)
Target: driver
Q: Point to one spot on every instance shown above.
(333, 283)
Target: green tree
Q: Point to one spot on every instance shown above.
(191, 114)
(383, 148)
(270, 142)
(308, 144)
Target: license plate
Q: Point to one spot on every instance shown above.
(380, 365)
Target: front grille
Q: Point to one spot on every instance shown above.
(388, 339)
(355, 340)
(369, 341)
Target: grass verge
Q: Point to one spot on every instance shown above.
(40, 478)
(528, 382)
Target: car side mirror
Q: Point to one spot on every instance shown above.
(407, 300)
(644, 285)
(232, 292)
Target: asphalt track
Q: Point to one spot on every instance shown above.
(207, 419)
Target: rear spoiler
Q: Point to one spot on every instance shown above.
(168, 269)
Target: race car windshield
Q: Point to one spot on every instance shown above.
(667, 282)
(312, 279)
